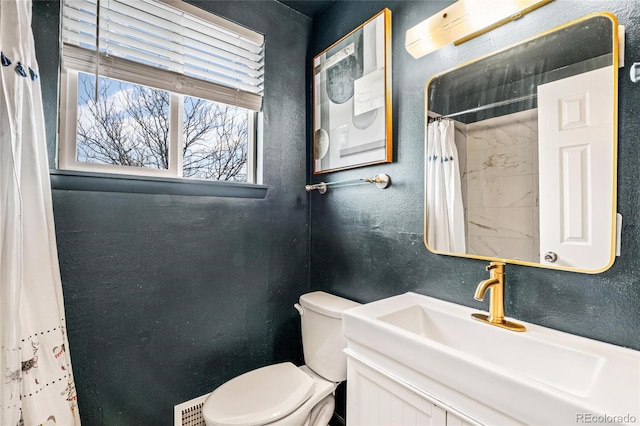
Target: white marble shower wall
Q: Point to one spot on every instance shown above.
(460, 139)
(502, 187)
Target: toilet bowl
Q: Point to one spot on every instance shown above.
(283, 394)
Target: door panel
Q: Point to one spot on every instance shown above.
(576, 195)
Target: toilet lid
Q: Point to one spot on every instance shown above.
(258, 397)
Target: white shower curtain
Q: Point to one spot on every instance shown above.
(37, 384)
(445, 211)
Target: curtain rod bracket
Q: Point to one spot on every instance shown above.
(382, 180)
(321, 187)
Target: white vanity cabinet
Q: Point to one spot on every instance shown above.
(375, 398)
(416, 360)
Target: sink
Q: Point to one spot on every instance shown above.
(541, 376)
(560, 366)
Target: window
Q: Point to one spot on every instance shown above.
(170, 91)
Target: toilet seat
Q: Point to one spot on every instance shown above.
(259, 397)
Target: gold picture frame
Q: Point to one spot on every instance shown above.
(352, 99)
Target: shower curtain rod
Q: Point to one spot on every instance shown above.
(488, 106)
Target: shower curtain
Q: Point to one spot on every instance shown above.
(37, 384)
(445, 211)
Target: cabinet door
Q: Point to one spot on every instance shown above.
(453, 420)
(373, 399)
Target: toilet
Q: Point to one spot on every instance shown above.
(283, 394)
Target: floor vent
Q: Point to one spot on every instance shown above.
(189, 413)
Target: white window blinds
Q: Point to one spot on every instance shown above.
(167, 44)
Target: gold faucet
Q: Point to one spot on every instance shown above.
(495, 283)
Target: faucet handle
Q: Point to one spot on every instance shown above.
(496, 265)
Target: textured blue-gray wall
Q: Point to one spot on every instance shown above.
(366, 243)
(168, 296)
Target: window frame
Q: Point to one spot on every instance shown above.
(67, 142)
(79, 59)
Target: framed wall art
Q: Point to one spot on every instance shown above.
(352, 99)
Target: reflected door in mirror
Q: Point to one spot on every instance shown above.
(575, 169)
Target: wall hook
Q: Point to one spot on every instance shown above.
(634, 73)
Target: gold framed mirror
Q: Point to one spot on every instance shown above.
(520, 151)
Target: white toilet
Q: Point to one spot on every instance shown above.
(283, 394)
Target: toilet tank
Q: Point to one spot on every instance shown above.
(322, 338)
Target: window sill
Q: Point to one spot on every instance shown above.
(103, 182)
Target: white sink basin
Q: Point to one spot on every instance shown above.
(571, 370)
(541, 376)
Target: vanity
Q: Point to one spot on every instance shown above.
(416, 360)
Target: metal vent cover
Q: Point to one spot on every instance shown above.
(190, 413)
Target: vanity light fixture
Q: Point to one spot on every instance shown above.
(464, 20)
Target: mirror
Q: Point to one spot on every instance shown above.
(520, 155)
